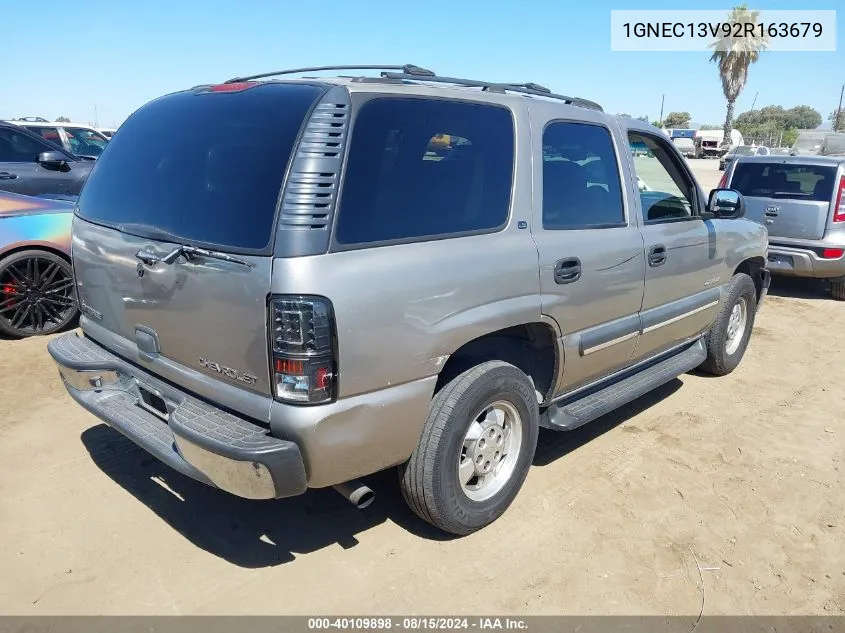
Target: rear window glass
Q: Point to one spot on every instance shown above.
(205, 168)
(420, 168)
(780, 180)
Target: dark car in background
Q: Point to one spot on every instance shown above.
(36, 278)
(32, 165)
(78, 139)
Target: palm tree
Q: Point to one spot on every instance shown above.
(734, 55)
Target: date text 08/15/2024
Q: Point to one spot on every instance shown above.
(416, 623)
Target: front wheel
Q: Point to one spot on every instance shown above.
(728, 338)
(476, 448)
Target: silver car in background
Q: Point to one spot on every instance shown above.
(801, 201)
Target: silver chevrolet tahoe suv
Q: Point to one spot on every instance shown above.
(801, 202)
(294, 283)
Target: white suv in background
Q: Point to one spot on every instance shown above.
(76, 138)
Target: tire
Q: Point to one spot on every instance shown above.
(724, 353)
(429, 480)
(837, 290)
(36, 294)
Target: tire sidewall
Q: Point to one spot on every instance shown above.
(742, 287)
(502, 383)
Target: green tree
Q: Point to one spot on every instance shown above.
(837, 117)
(624, 115)
(63, 119)
(734, 56)
(677, 119)
(802, 118)
(644, 119)
(657, 123)
(710, 126)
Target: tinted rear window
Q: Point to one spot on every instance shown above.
(421, 168)
(781, 180)
(204, 167)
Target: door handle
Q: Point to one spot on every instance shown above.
(657, 255)
(567, 270)
(5, 175)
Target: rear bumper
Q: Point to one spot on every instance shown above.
(795, 261)
(193, 437)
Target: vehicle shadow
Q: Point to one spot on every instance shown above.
(796, 288)
(256, 534)
(251, 534)
(553, 445)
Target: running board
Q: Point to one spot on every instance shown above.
(571, 413)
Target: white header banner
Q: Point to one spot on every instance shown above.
(709, 30)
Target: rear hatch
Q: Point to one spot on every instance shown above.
(198, 169)
(793, 200)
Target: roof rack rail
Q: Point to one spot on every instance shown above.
(528, 88)
(407, 69)
(32, 119)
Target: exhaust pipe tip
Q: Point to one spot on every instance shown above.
(358, 494)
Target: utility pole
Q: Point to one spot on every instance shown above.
(753, 103)
(96, 119)
(839, 110)
(662, 101)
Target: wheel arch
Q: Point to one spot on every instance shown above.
(533, 347)
(753, 267)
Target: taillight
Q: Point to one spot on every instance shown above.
(724, 180)
(303, 345)
(839, 207)
(832, 253)
(233, 87)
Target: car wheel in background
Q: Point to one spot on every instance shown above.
(837, 290)
(36, 294)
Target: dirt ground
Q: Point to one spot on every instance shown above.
(728, 490)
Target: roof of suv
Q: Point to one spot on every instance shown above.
(802, 160)
(49, 124)
(417, 80)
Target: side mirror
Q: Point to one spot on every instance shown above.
(726, 204)
(53, 160)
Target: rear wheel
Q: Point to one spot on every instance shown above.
(476, 448)
(728, 338)
(837, 290)
(36, 294)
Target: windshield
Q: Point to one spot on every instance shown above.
(744, 150)
(779, 180)
(85, 142)
(203, 167)
(809, 141)
(834, 145)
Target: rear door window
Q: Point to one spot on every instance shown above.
(203, 168)
(581, 185)
(420, 169)
(783, 180)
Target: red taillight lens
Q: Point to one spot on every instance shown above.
(839, 207)
(723, 180)
(303, 333)
(833, 253)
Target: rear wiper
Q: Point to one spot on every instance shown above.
(189, 252)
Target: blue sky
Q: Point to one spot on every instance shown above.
(118, 55)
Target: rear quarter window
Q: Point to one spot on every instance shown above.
(206, 168)
(421, 169)
(784, 180)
